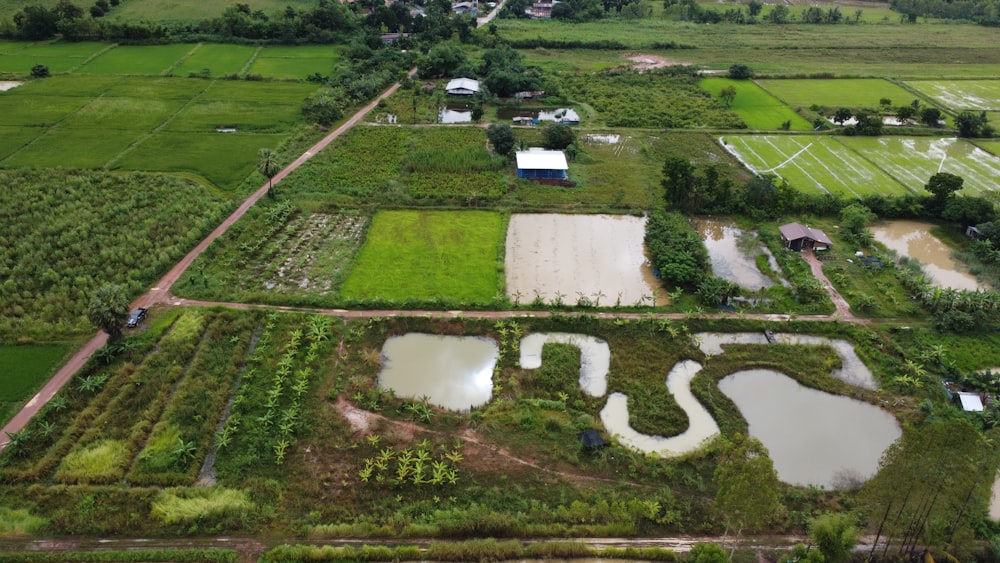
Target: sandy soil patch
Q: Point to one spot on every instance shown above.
(645, 61)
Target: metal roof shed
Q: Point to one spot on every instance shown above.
(970, 401)
(462, 87)
(539, 163)
(798, 236)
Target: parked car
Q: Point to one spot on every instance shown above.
(136, 317)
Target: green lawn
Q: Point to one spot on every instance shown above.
(297, 67)
(961, 94)
(128, 114)
(224, 159)
(24, 369)
(832, 93)
(145, 60)
(429, 255)
(244, 116)
(21, 108)
(72, 148)
(758, 109)
(219, 60)
(13, 138)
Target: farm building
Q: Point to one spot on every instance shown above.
(462, 87)
(799, 237)
(540, 163)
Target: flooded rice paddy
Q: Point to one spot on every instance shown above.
(595, 357)
(452, 372)
(702, 427)
(914, 239)
(733, 253)
(814, 438)
(588, 259)
(566, 115)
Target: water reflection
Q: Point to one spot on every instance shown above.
(453, 372)
(914, 239)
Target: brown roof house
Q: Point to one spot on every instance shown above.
(799, 237)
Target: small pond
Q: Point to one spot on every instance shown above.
(914, 239)
(595, 357)
(562, 115)
(8, 84)
(733, 253)
(455, 113)
(814, 438)
(453, 372)
(701, 428)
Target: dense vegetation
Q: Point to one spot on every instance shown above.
(66, 233)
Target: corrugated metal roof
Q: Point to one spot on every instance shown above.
(538, 159)
(462, 84)
(795, 231)
(970, 401)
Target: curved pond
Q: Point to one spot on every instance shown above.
(453, 372)
(814, 438)
(701, 428)
(852, 369)
(595, 357)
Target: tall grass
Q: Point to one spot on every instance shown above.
(19, 522)
(185, 505)
(99, 460)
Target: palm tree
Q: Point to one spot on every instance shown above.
(267, 164)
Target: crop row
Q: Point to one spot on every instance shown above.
(62, 234)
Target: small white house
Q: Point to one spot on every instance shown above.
(462, 87)
(540, 163)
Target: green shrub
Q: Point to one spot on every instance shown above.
(185, 505)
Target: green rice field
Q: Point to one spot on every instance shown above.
(429, 255)
(158, 124)
(758, 109)
(219, 60)
(295, 62)
(145, 60)
(845, 92)
(961, 94)
(194, 10)
(24, 369)
(889, 165)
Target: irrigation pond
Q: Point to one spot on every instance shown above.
(914, 240)
(452, 372)
(733, 253)
(814, 438)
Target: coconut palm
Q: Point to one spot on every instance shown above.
(267, 165)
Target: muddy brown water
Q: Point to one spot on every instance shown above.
(701, 426)
(814, 438)
(452, 372)
(597, 258)
(914, 239)
(733, 253)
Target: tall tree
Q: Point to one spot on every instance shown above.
(728, 94)
(267, 165)
(748, 488)
(943, 185)
(930, 486)
(501, 136)
(109, 309)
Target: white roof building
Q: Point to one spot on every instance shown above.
(462, 87)
(541, 163)
(970, 401)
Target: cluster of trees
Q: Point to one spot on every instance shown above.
(695, 189)
(501, 73)
(985, 12)
(328, 21)
(690, 10)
